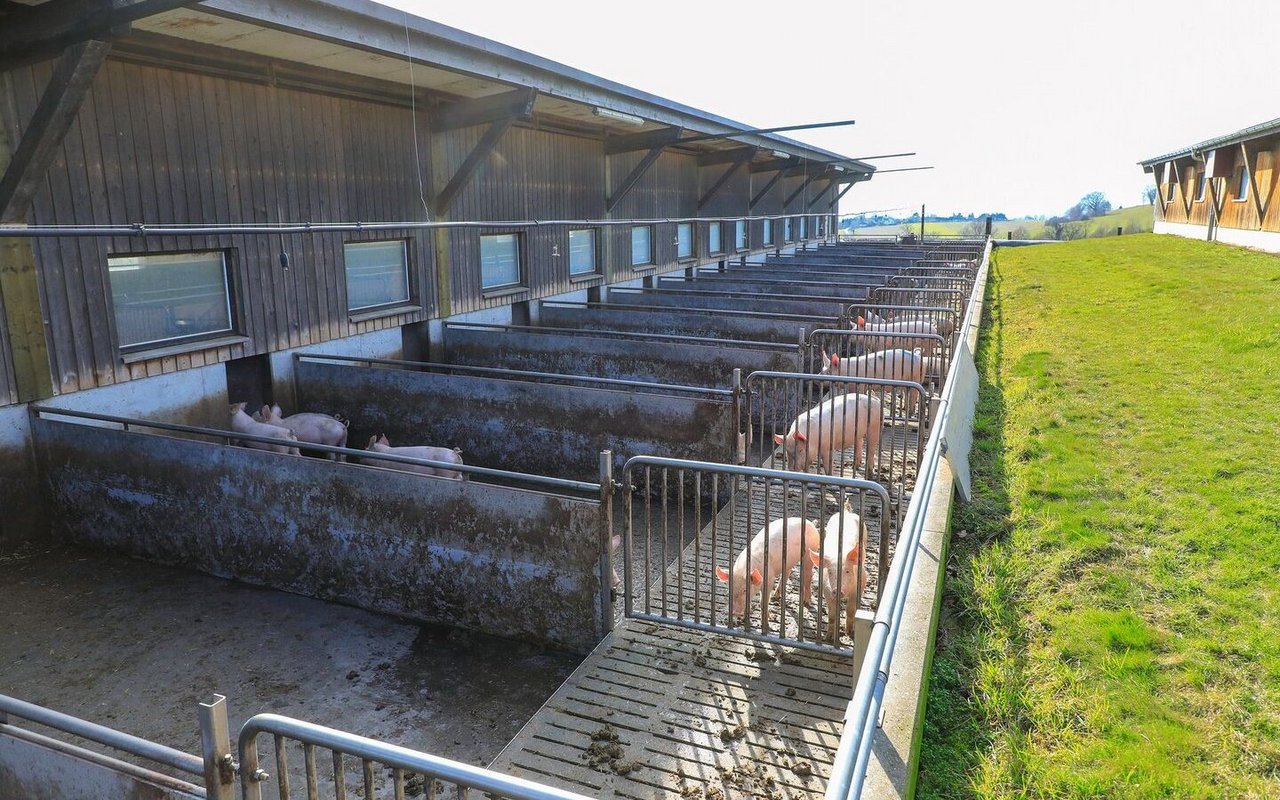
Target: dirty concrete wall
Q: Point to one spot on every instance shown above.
(671, 362)
(728, 301)
(379, 344)
(35, 772)
(538, 428)
(23, 520)
(684, 323)
(747, 285)
(502, 561)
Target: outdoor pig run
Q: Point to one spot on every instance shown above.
(619, 457)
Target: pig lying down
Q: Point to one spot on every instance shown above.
(243, 423)
(789, 542)
(309, 427)
(838, 423)
(379, 444)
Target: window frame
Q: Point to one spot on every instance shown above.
(741, 236)
(768, 231)
(787, 231)
(651, 258)
(714, 249)
(1241, 193)
(693, 242)
(503, 288)
(595, 270)
(1202, 180)
(409, 287)
(156, 348)
(1170, 184)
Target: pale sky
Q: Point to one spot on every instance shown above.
(1021, 107)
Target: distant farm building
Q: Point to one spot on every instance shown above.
(1221, 189)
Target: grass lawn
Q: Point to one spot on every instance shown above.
(1111, 620)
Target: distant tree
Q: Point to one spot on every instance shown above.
(975, 228)
(1149, 195)
(1073, 230)
(1020, 232)
(1094, 204)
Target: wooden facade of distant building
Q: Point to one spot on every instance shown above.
(1223, 189)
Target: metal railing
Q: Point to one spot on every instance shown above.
(913, 296)
(845, 343)
(705, 563)
(352, 765)
(748, 344)
(861, 718)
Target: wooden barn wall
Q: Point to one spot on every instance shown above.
(158, 145)
(732, 200)
(1232, 213)
(668, 189)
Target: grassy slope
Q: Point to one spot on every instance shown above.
(1135, 219)
(1111, 622)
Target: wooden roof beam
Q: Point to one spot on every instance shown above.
(474, 159)
(799, 189)
(775, 164)
(760, 195)
(517, 104)
(831, 181)
(629, 182)
(70, 83)
(38, 33)
(743, 156)
(726, 156)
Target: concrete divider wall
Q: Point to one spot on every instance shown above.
(743, 285)
(504, 561)
(539, 428)
(730, 301)
(54, 771)
(685, 323)
(673, 362)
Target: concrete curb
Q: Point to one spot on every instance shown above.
(895, 755)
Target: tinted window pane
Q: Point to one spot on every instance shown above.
(684, 240)
(169, 296)
(786, 229)
(1242, 183)
(377, 274)
(582, 252)
(499, 260)
(804, 227)
(641, 247)
(740, 235)
(768, 231)
(714, 245)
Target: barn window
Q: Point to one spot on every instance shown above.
(1168, 196)
(714, 243)
(740, 235)
(804, 227)
(684, 240)
(641, 245)
(582, 251)
(786, 229)
(377, 273)
(1204, 179)
(499, 260)
(161, 298)
(1242, 182)
(768, 231)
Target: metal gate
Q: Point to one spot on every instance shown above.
(711, 564)
(953, 299)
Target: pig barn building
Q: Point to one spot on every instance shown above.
(251, 114)
(595, 319)
(1221, 189)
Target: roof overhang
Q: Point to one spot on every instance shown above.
(1196, 151)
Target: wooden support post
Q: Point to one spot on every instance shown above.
(760, 195)
(743, 157)
(629, 182)
(25, 164)
(472, 162)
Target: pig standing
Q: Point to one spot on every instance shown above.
(933, 372)
(841, 558)
(838, 423)
(243, 423)
(746, 580)
(379, 444)
(309, 427)
(892, 365)
(913, 327)
(943, 323)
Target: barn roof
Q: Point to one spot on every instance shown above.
(1250, 133)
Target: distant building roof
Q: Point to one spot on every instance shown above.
(1243, 135)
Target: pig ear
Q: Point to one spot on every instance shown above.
(852, 557)
(722, 573)
(862, 323)
(800, 437)
(276, 410)
(372, 441)
(756, 577)
(778, 438)
(835, 360)
(382, 439)
(815, 557)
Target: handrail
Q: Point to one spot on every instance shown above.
(118, 740)
(495, 784)
(604, 304)
(849, 769)
(500, 371)
(125, 422)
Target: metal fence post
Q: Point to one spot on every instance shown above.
(606, 541)
(215, 749)
(863, 620)
(742, 432)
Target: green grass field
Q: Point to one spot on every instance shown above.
(1111, 617)
(1135, 219)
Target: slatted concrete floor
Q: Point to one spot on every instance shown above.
(657, 711)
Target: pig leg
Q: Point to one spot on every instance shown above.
(806, 583)
(873, 447)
